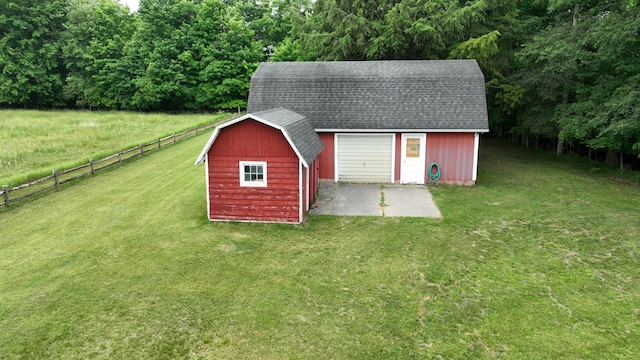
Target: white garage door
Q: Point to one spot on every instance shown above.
(365, 157)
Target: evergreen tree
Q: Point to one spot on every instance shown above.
(581, 77)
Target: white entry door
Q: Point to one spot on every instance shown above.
(412, 164)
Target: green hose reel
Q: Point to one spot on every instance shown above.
(434, 177)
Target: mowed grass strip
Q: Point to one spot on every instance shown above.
(33, 143)
(538, 260)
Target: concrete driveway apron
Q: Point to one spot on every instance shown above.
(366, 200)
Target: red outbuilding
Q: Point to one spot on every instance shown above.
(405, 121)
(398, 121)
(262, 167)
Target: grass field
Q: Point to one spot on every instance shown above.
(32, 143)
(538, 260)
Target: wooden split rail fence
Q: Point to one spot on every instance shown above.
(10, 195)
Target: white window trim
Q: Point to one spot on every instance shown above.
(244, 183)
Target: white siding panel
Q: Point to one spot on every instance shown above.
(365, 158)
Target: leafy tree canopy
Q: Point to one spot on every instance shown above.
(563, 71)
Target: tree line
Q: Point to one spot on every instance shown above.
(559, 73)
(172, 55)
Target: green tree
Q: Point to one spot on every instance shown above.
(95, 36)
(270, 21)
(603, 115)
(156, 55)
(343, 29)
(289, 50)
(188, 55)
(581, 77)
(32, 72)
(407, 29)
(225, 54)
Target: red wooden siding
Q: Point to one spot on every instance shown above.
(314, 170)
(454, 153)
(250, 140)
(327, 156)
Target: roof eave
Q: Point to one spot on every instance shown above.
(203, 155)
(396, 130)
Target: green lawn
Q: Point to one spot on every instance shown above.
(32, 143)
(539, 260)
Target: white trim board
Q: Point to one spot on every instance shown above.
(401, 130)
(301, 211)
(476, 147)
(206, 170)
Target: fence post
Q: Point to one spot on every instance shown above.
(5, 194)
(159, 145)
(56, 180)
(174, 138)
(141, 150)
(120, 157)
(93, 170)
(197, 130)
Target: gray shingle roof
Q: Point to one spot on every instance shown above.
(297, 128)
(305, 141)
(376, 95)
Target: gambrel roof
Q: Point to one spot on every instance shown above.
(429, 95)
(295, 128)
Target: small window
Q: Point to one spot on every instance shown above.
(413, 148)
(253, 173)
